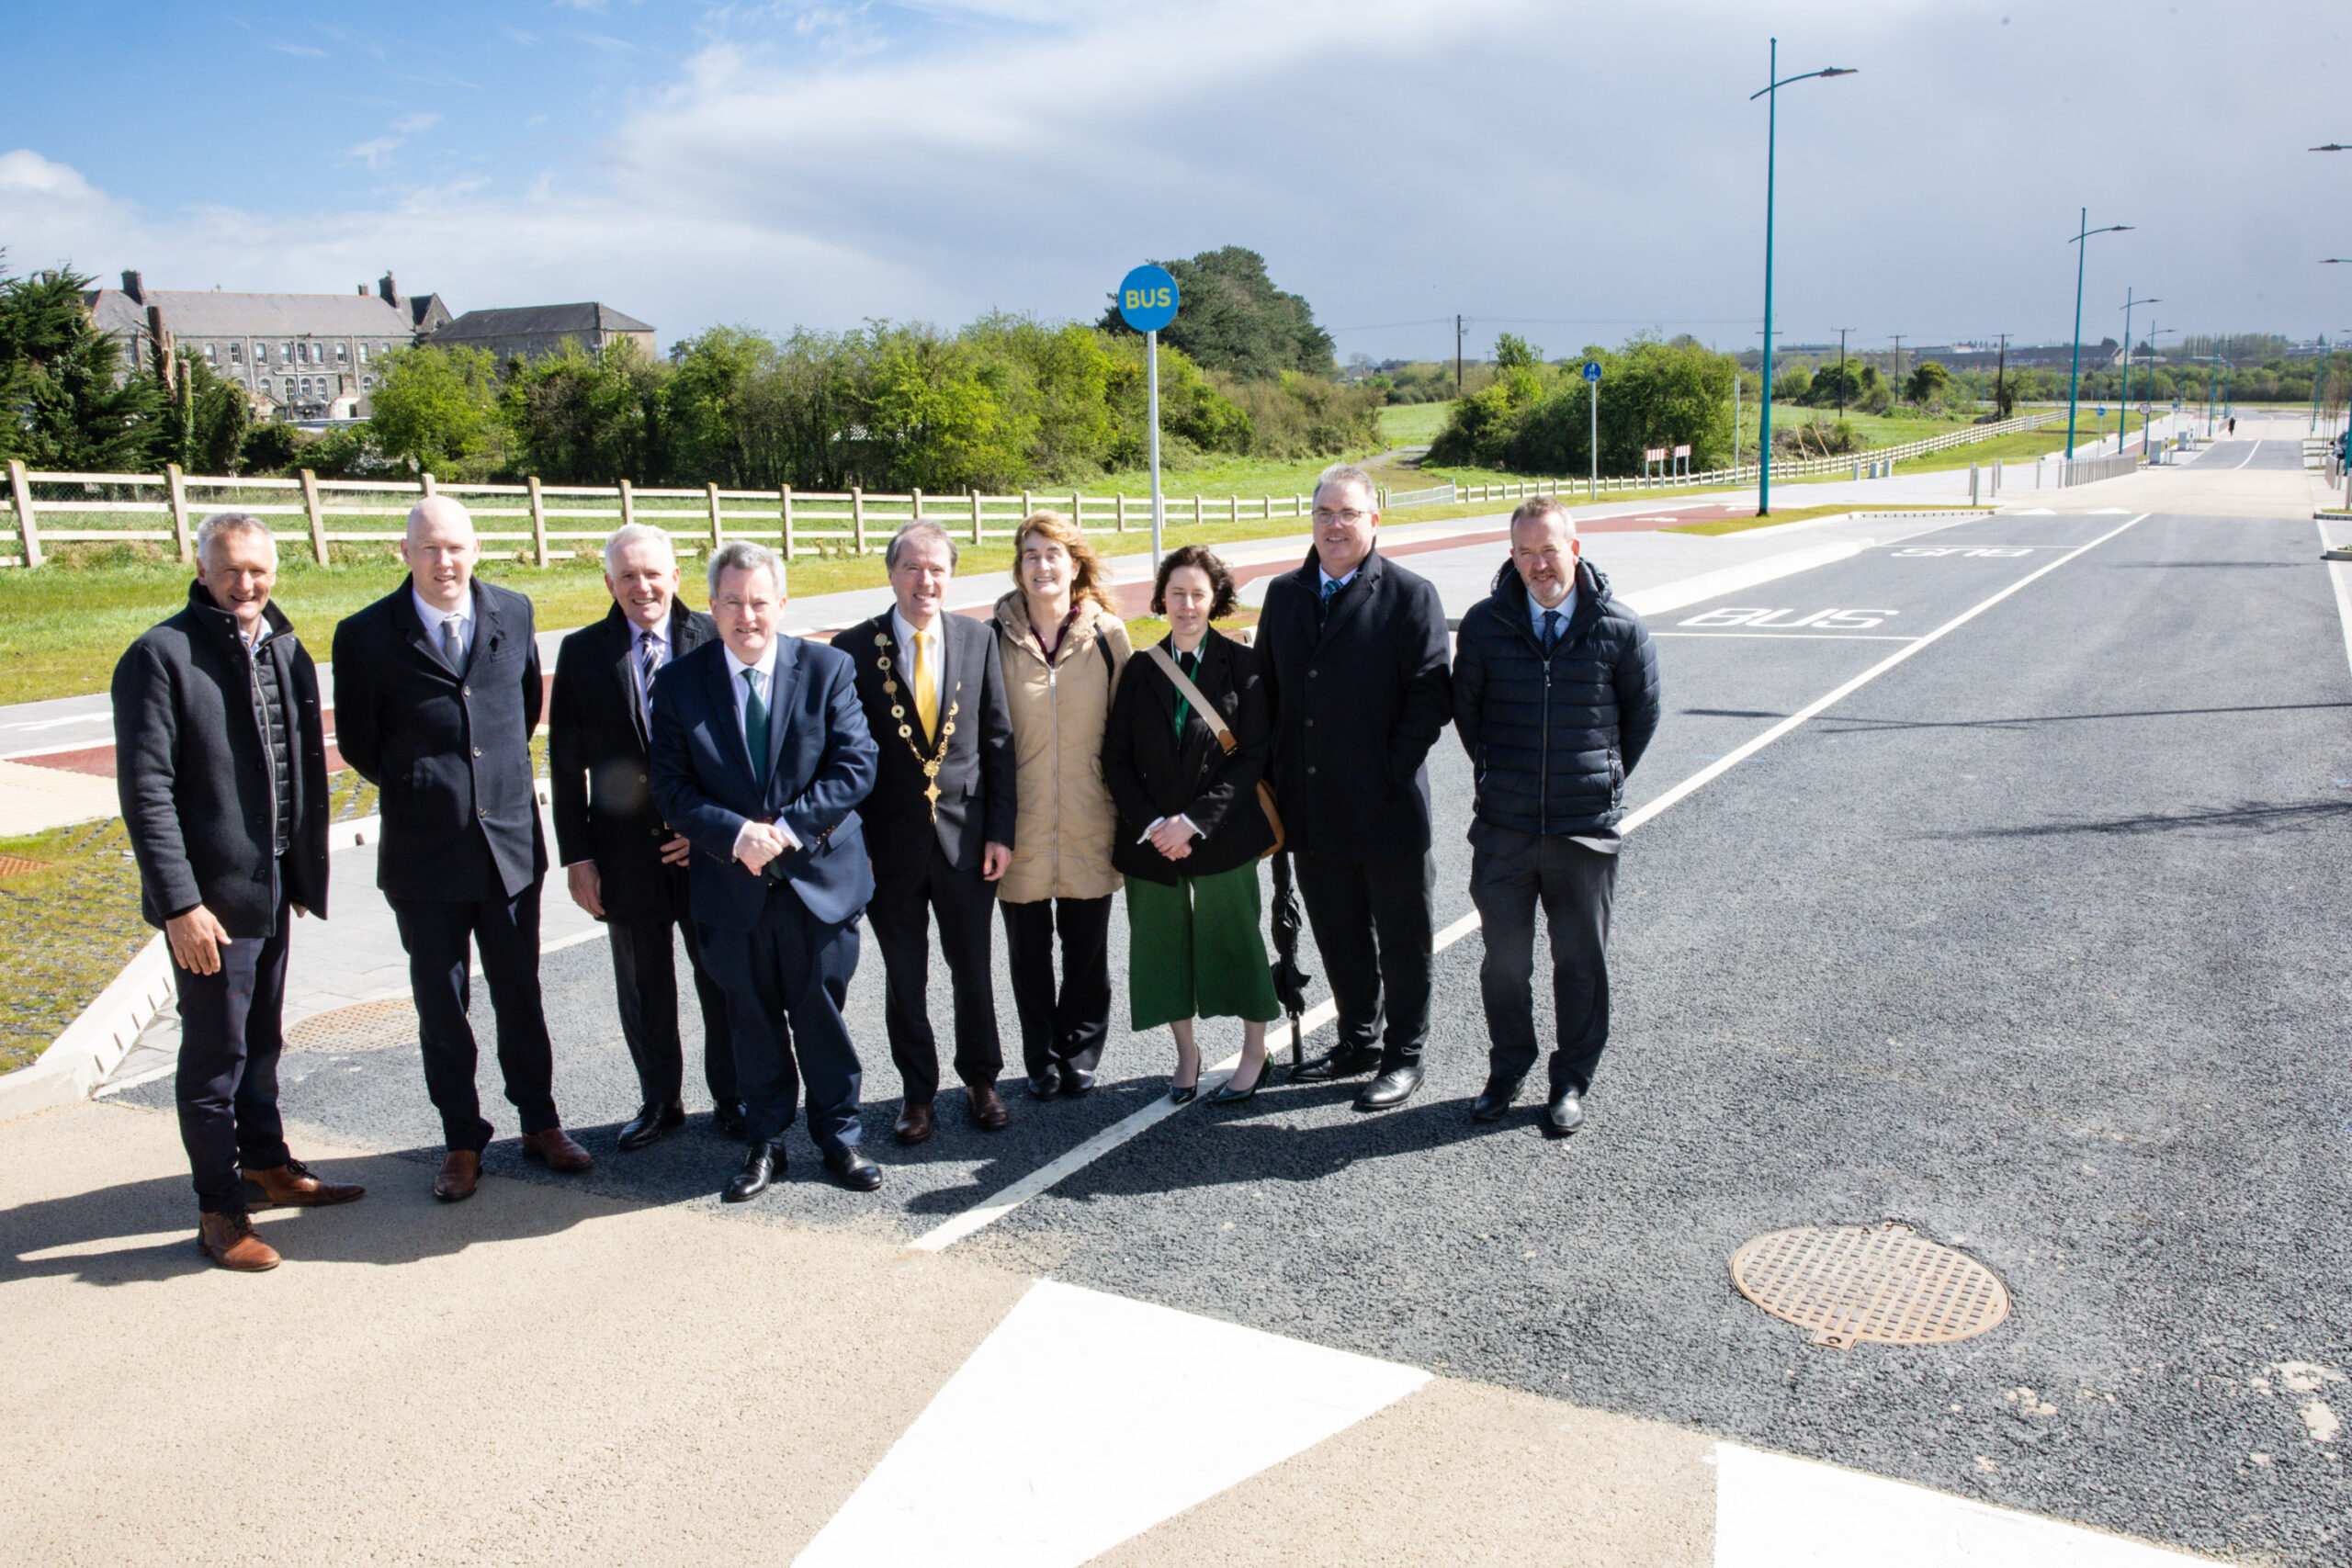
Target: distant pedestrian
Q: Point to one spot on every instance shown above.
(1353, 648)
(1191, 827)
(220, 766)
(1555, 697)
(1062, 646)
(943, 815)
(436, 694)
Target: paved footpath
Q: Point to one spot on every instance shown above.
(2068, 856)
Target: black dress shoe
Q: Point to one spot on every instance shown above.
(1045, 1082)
(728, 1118)
(1566, 1111)
(1392, 1088)
(1077, 1082)
(1494, 1100)
(762, 1164)
(648, 1126)
(853, 1170)
(1339, 1061)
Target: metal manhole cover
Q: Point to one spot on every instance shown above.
(1879, 1284)
(363, 1026)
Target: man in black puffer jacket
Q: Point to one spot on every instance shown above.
(1556, 696)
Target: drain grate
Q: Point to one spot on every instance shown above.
(363, 1026)
(1875, 1284)
(17, 865)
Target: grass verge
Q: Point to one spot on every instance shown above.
(1722, 525)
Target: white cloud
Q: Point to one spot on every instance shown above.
(1567, 168)
(304, 50)
(415, 124)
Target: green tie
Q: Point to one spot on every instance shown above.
(755, 728)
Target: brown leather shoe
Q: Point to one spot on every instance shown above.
(914, 1123)
(460, 1173)
(989, 1113)
(229, 1240)
(292, 1186)
(555, 1149)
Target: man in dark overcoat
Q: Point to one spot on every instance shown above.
(940, 817)
(220, 766)
(1555, 697)
(623, 863)
(437, 692)
(1353, 648)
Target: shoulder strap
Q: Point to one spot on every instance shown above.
(1191, 693)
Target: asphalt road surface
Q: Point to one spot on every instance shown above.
(2029, 940)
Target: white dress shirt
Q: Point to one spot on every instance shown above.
(433, 615)
(764, 673)
(1567, 609)
(903, 635)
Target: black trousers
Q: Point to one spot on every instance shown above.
(507, 931)
(227, 1084)
(1576, 886)
(645, 982)
(1070, 1027)
(1373, 922)
(902, 910)
(786, 979)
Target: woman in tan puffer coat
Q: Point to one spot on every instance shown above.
(1063, 646)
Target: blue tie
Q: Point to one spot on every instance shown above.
(1551, 631)
(755, 728)
(1331, 587)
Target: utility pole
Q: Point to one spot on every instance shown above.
(1842, 374)
(1457, 356)
(1899, 365)
(2000, 370)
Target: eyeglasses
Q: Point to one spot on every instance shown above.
(1349, 515)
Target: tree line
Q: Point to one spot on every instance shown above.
(1004, 403)
(1538, 417)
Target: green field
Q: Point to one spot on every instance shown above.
(1413, 424)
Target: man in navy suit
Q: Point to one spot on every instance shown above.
(761, 755)
(437, 692)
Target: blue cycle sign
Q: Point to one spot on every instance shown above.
(1147, 298)
(1593, 369)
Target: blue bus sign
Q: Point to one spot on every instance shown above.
(1147, 298)
(1593, 369)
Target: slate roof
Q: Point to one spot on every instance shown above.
(582, 320)
(219, 315)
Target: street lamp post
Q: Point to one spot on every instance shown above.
(2124, 432)
(2074, 374)
(1771, 94)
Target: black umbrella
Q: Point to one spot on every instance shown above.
(1290, 980)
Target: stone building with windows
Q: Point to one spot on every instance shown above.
(298, 356)
(540, 332)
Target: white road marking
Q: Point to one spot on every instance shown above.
(981, 1215)
(1798, 636)
(1041, 1453)
(1136, 1123)
(1713, 771)
(1772, 1511)
(2248, 458)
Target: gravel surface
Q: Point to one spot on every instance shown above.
(2018, 945)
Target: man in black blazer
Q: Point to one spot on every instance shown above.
(942, 812)
(760, 758)
(624, 864)
(1353, 647)
(220, 766)
(437, 692)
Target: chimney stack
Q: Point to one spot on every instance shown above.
(390, 291)
(363, 291)
(130, 286)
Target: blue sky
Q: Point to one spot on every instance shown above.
(1574, 171)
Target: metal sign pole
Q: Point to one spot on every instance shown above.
(1151, 380)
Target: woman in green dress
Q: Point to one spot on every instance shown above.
(1192, 830)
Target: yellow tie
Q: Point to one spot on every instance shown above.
(926, 685)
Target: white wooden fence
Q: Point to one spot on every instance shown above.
(547, 522)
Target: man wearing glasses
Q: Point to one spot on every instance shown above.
(1353, 649)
